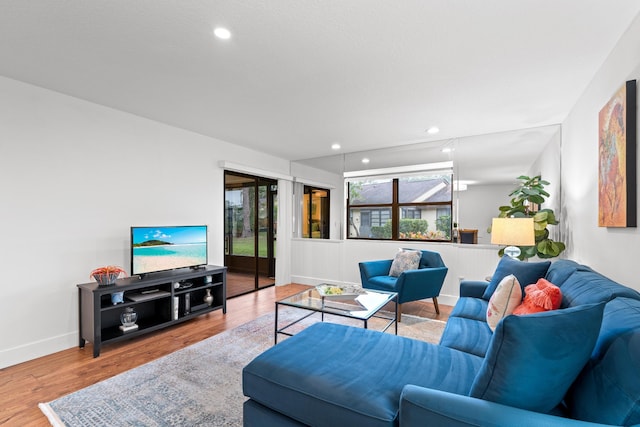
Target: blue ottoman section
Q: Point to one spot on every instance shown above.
(336, 375)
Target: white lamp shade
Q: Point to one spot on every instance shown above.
(513, 231)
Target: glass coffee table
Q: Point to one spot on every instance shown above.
(361, 307)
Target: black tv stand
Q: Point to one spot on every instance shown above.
(169, 303)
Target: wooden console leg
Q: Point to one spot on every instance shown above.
(435, 304)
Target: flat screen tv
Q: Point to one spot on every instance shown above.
(156, 249)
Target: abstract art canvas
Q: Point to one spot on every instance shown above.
(617, 159)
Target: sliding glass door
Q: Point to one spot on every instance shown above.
(250, 232)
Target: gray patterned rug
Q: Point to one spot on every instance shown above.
(199, 385)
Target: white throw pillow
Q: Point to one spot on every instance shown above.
(405, 260)
(507, 296)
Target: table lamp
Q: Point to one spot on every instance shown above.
(513, 232)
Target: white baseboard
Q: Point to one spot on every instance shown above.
(33, 350)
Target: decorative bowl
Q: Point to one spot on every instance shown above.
(107, 276)
(339, 291)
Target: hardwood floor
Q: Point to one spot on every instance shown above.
(242, 283)
(25, 385)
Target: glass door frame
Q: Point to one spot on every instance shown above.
(262, 267)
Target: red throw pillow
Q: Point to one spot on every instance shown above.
(543, 296)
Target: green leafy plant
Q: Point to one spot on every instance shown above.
(525, 203)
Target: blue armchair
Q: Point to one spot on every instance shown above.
(411, 285)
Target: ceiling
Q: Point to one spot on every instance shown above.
(299, 75)
(497, 158)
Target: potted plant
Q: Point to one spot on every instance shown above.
(525, 202)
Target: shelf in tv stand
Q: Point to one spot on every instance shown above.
(182, 291)
(99, 320)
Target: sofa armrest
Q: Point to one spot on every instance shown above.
(421, 406)
(418, 284)
(370, 269)
(473, 288)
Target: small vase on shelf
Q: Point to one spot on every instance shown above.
(208, 298)
(128, 318)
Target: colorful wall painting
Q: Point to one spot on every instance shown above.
(617, 159)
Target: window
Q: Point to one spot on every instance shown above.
(315, 213)
(416, 207)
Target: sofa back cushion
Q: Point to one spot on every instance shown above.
(586, 286)
(560, 270)
(621, 315)
(608, 390)
(526, 273)
(532, 360)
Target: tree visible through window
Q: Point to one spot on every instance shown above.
(408, 208)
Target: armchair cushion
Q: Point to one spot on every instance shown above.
(526, 272)
(404, 260)
(532, 360)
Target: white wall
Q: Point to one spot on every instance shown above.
(314, 261)
(610, 251)
(75, 176)
(478, 205)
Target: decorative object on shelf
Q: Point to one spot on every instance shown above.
(128, 319)
(117, 298)
(525, 203)
(208, 298)
(107, 276)
(617, 202)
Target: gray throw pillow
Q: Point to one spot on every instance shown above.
(405, 260)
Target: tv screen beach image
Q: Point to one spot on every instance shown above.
(165, 248)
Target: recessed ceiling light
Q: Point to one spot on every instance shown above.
(335, 146)
(433, 130)
(365, 160)
(447, 150)
(222, 33)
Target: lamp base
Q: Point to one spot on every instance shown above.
(512, 251)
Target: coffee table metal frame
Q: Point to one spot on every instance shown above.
(311, 300)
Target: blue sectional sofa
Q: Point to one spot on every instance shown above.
(579, 365)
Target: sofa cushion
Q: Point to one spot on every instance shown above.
(526, 272)
(621, 315)
(561, 269)
(542, 296)
(532, 360)
(507, 296)
(470, 308)
(384, 283)
(608, 390)
(467, 335)
(404, 260)
(332, 372)
(586, 286)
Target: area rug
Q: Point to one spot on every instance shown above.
(200, 385)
